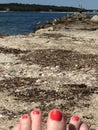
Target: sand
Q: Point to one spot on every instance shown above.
(49, 69)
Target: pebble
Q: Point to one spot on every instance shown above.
(1, 116)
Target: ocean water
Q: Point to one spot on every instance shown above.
(14, 23)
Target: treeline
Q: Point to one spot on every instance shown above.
(37, 8)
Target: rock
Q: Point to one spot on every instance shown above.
(1, 116)
(39, 26)
(95, 19)
(41, 31)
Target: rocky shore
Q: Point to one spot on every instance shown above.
(55, 67)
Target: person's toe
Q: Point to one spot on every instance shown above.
(56, 120)
(36, 119)
(25, 122)
(16, 127)
(84, 126)
(76, 124)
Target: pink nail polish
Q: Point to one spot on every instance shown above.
(75, 118)
(25, 116)
(36, 112)
(56, 115)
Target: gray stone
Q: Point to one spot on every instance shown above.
(95, 19)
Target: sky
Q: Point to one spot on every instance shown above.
(87, 4)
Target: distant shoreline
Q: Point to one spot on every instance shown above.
(4, 11)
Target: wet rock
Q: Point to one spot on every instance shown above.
(39, 26)
(41, 31)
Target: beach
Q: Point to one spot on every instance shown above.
(55, 67)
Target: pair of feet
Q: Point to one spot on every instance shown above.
(56, 121)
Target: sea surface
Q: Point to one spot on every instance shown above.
(13, 23)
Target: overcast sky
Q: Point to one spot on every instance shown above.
(87, 4)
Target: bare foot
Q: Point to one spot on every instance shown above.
(56, 121)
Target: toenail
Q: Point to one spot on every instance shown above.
(25, 116)
(75, 118)
(56, 115)
(36, 112)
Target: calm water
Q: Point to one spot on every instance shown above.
(23, 22)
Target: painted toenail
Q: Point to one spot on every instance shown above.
(25, 116)
(56, 115)
(75, 118)
(36, 112)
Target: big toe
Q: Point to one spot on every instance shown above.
(56, 120)
(76, 124)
